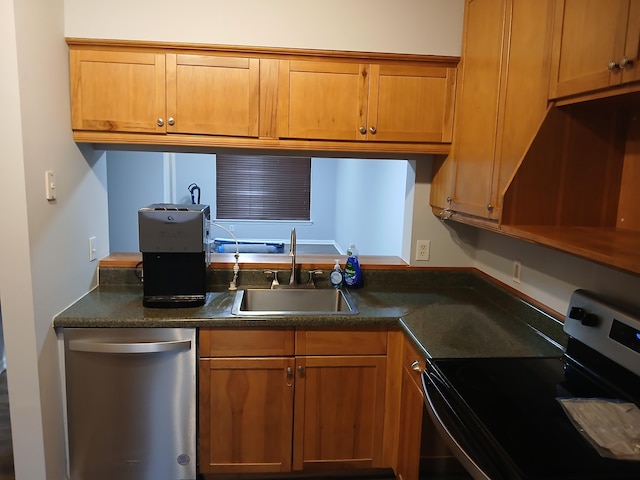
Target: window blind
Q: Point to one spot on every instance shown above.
(256, 187)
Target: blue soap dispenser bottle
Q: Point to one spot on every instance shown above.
(352, 272)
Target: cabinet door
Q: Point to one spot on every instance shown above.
(588, 35)
(523, 96)
(502, 100)
(117, 91)
(213, 95)
(322, 100)
(631, 73)
(339, 412)
(474, 144)
(411, 412)
(411, 103)
(246, 414)
(422, 452)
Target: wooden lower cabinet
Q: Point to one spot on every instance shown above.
(320, 411)
(246, 406)
(339, 409)
(411, 412)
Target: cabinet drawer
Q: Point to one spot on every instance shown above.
(249, 342)
(341, 342)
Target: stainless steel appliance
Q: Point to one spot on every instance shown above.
(503, 416)
(174, 244)
(131, 403)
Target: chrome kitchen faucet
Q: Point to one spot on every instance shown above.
(292, 254)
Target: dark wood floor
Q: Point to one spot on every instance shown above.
(6, 446)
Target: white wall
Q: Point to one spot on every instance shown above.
(370, 201)
(44, 246)
(134, 181)
(405, 26)
(549, 275)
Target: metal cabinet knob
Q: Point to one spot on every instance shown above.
(160, 122)
(625, 62)
(171, 120)
(300, 369)
(613, 66)
(289, 377)
(490, 207)
(415, 366)
(362, 130)
(372, 130)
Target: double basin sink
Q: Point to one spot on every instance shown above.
(293, 301)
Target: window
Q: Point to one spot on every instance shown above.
(262, 187)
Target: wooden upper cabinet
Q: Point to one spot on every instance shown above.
(477, 106)
(325, 100)
(501, 100)
(631, 72)
(595, 45)
(209, 97)
(331, 100)
(120, 91)
(411, 103)
(117, 91)
(212, 95)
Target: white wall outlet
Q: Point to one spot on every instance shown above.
(422, 250)
(517, 267)
(93, 252)
(50, 184)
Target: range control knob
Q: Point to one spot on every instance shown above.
(577, 313)
(587, 319)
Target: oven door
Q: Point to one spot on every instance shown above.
(453, 428)
(502, 419)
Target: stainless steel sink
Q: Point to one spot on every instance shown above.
(294, 301)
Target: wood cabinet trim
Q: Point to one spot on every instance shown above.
(212, 144)
(268, 98)
(393, 393)
(263, 52)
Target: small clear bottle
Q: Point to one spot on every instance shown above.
(336, 276)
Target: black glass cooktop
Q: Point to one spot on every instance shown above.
(511, 406)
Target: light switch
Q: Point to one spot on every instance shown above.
(92, 249)
(50, 179)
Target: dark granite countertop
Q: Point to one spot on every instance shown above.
(446, 314)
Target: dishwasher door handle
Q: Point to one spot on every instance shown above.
(138, 347)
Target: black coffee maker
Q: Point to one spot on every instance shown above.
(174, 244)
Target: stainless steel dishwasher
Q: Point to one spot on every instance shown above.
(131, 403)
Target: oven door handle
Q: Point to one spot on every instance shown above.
(432, 392)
